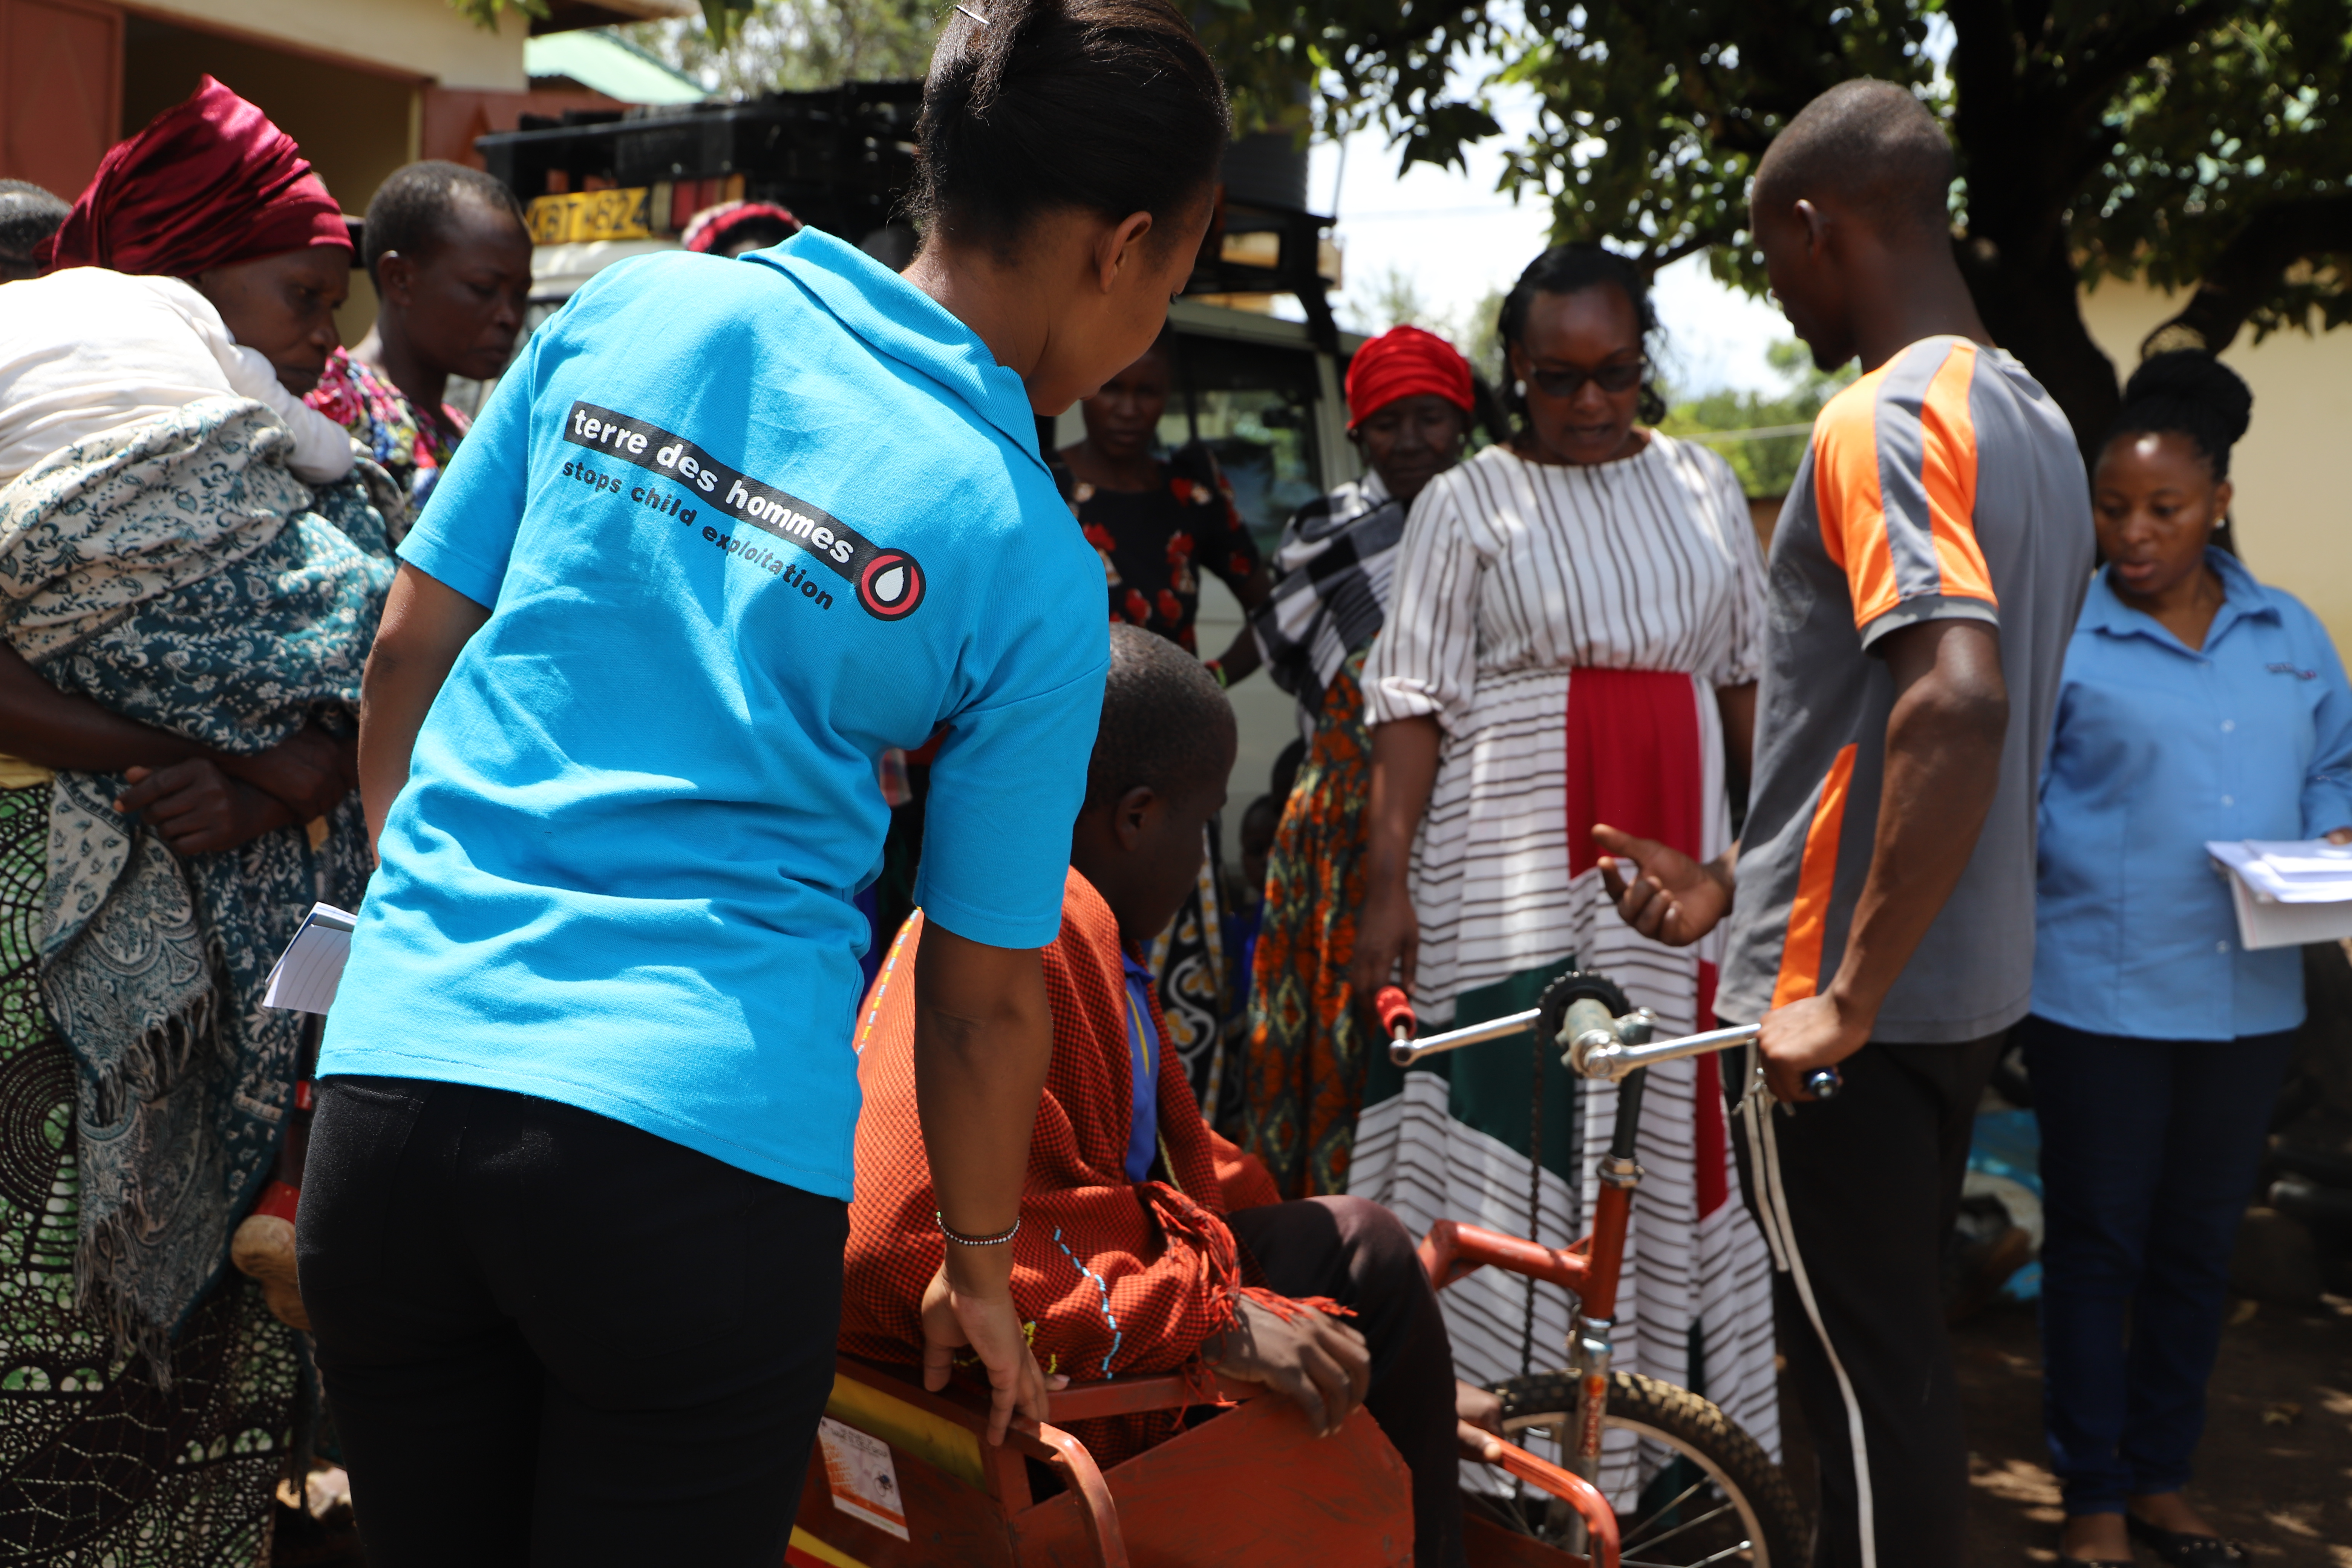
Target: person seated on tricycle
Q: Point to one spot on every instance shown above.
(1147, 1243)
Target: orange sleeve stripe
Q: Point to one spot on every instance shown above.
(1846, 496)
(1809, 912)
(1948, 473)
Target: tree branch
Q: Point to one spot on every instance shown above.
(2253, 264)
(1984, 56)
(2117, 57)
(1656, 260)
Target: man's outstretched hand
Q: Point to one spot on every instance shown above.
(1673, 899)
(990, 1324)
(1320, 1363)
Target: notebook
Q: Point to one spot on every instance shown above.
(308, 971)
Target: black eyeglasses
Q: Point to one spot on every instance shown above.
(1570, 380)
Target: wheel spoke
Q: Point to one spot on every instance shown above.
(1690, 1524)
(1723, 1557)
(1664, 1509)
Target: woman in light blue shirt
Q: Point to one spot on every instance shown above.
(2198, 704)
(729, 530)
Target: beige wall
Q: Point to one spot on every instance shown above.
(2293, 512)
(419, 37)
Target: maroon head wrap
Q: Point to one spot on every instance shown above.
(714, 228)
(1400, 362)
(208, 183)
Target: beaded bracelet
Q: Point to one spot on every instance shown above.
(960, 1239)
(1216, 667)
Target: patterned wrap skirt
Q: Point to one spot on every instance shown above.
(100, 1467)
(1305, 1061)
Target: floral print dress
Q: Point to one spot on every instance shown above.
(387, 424)
(1154, 545)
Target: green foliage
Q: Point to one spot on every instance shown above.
(719, 17)
(2252, 113)
(1393, 299)
(488, 14)
(1389, 298)
(1332, 65)
(2139, 138)
(793, 45)
(1766, 465)
(1652, 116)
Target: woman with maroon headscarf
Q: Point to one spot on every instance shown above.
(205, 258)
(190, 570)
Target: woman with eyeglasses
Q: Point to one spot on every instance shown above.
(1574, 638)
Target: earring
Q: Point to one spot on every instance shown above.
(1520, 390)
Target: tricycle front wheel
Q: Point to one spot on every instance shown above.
(1720, 1501)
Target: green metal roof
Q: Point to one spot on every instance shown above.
(610, 65)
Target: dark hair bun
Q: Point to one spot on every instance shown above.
(2188, 391)
(1109, 106)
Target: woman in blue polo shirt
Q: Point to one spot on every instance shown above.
(2198, 704)
(730, 528)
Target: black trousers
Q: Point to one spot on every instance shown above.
(1354, 1251)
(2148, 1150)
(1857, 1195)
(549, 1338)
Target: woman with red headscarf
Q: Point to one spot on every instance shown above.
(188, 601)
(1410, 408)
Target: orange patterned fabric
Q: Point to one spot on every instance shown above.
(1114, 1278)
(1303, 1071)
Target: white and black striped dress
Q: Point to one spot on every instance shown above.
(1511, 576)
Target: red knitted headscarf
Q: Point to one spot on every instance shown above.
(1400, 362)
(713, 227)
(208, 183)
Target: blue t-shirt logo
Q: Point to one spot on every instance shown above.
(892, 585)
(889, 585)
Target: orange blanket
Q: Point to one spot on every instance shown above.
(1115, 1277)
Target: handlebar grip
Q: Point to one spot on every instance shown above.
(1824, 1083)
(1395, 1009)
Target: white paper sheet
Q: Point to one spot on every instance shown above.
(2312, 872)
(311, 967)
(2287, 893)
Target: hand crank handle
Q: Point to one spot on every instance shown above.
(1395, 1010)
(1404, 1051)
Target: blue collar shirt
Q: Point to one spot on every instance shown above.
(2157, 748)
(1143, 1047)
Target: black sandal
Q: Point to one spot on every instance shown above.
(2186, 1550)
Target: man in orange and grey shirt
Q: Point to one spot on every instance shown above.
(1925, 578)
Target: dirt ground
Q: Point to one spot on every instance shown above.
(2274, 1470)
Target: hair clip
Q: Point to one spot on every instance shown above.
(975, 16)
